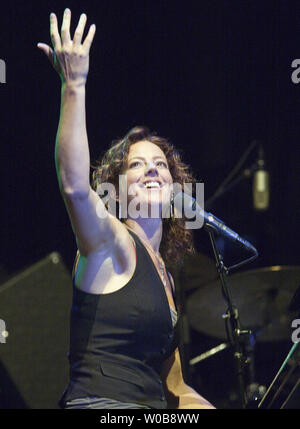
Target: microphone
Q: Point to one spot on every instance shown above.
(261, 184)
(190, 205)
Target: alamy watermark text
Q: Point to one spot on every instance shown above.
(2, 71)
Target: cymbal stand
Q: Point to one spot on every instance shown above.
(236, 335)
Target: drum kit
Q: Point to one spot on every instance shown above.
(244, 309)
(267, 301)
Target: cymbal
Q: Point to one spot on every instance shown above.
(262, 297)
(197, 270)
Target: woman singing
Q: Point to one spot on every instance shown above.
(123, 348)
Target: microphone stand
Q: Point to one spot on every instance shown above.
(245, 175)
(237, 337)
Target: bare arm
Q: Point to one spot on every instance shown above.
(70, 58)
(179, 395)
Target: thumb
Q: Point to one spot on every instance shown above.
(48, 51)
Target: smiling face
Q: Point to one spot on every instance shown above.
(147, 174)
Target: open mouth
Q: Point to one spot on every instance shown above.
(152, 185)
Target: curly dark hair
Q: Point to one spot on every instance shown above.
(177, 241)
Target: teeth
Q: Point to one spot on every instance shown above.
(152, 185)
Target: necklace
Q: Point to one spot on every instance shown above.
(161, 268)
(160, 263)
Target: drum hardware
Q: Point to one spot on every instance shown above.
(263, 296)
(269, 299)
(254, 390)
(209, 353)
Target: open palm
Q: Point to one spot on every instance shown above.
(70, 58)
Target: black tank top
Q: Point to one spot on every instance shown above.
(119, 340)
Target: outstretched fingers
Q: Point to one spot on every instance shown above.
(89, 38)
(79, 29)
(65, 38)
(65, 27)
(70, 58)
(54, 34)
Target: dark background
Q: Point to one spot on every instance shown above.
(212, 76)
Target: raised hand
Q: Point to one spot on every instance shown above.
(70, 58)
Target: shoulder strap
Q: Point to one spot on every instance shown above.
(76, 260)
(172, 289)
